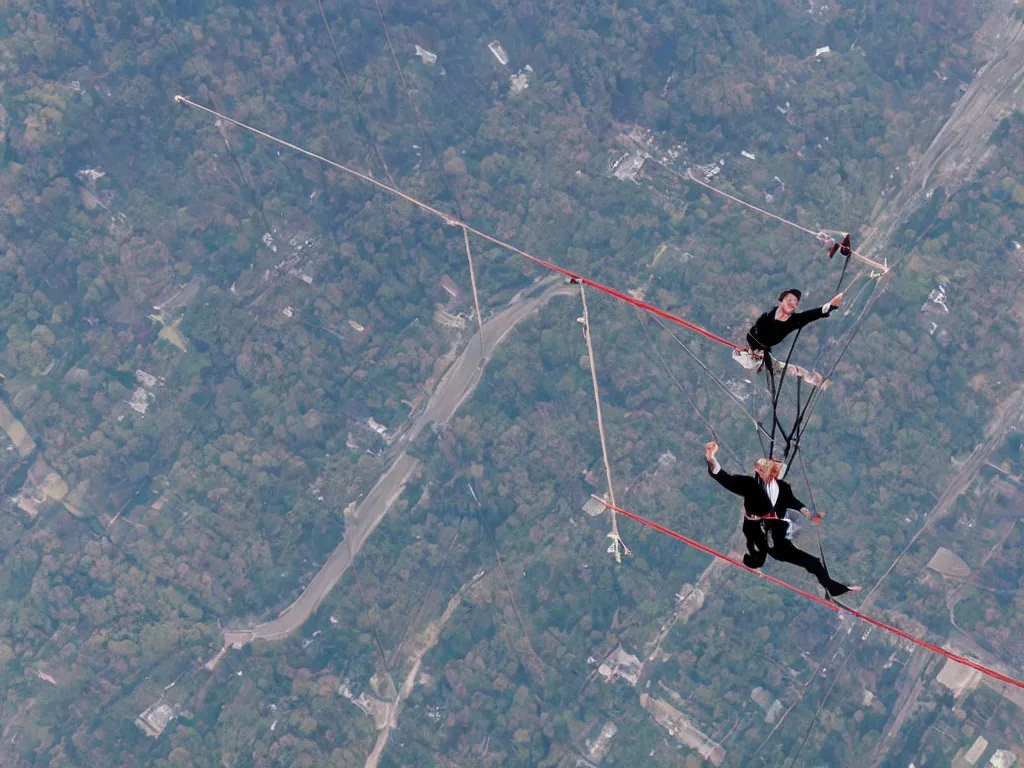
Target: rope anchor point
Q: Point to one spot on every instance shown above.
(618, 547)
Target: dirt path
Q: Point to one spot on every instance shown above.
(426, 640)
(958, 149)
(703, 583)
(452, 390)
(1008, 414)
(905, 704)
(955, 596)
(961, 145)
(956, 152)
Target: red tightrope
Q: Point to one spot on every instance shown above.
(451, 220)
(598, 286)
(655, 311)
(830, 605)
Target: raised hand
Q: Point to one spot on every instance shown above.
(710, 449)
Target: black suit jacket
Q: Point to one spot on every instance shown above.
(766, 332)
(755, 496)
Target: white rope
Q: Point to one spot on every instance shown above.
(617, 548)
(883, 268)
(476, 298)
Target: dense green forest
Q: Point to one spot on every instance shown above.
(215, 347)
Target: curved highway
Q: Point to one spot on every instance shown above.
(455, 386)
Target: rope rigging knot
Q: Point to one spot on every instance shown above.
(618, 547)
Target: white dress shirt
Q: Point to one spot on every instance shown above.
(771, 488)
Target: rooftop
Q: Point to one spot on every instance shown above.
(958, 678)
(600, 746)
(428, 57)
(948, 564)
(520, 82)
(499, 52)
(679, 727)
(621, 664)
(1003, 758)
(155, 719)
(450, 287)
(976, 751)
(629, 165)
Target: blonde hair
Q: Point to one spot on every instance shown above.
(774, 468)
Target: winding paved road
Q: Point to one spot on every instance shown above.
(455, 386)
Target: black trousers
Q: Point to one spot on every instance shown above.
(768, 538)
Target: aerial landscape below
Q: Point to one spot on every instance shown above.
(512, 384)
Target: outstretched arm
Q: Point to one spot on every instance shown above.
(732, 483)
(800, 319)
